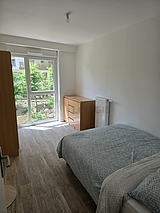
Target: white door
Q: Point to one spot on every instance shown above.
(3, 208)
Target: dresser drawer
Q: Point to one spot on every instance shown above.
(71, 103)
(70, 119)
(71, 115)
(70, 108)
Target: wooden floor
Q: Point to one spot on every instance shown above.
(44, 183)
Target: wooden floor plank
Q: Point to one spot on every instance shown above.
(28, 199)
(44, 182)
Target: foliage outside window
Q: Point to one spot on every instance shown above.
(42, 105)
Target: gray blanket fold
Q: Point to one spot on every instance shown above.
(116, 186)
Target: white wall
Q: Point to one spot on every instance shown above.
(125, 67)
(67, 75)
(3, 47)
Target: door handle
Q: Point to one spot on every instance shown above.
(6, 157)
(8, 164)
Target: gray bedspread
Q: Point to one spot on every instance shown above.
(96, 153)
(116, 186)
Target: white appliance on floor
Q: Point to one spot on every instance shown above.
(102, 111)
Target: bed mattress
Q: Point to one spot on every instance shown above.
(132, 206)
(96, 153)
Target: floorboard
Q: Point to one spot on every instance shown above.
(45, 183)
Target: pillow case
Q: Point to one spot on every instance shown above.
(148, 192)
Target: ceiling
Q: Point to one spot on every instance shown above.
(89, 19)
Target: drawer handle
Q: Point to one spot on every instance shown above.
(71, 112)
(71, 118)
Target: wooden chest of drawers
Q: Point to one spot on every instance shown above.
(79, 112)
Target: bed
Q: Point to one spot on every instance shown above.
(111, 162)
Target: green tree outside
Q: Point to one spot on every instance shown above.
(40, 81)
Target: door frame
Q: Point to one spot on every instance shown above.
(29, 92)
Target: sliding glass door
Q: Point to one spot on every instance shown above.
(35, 88)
